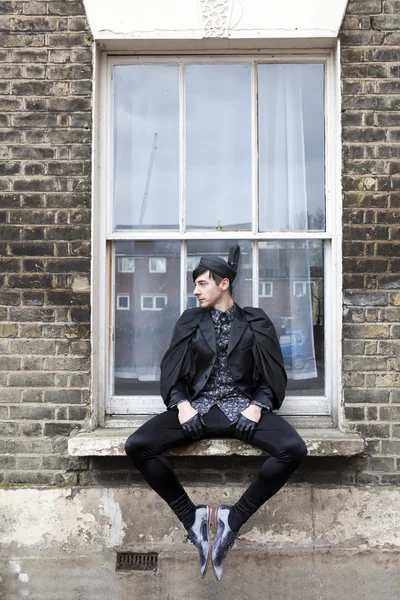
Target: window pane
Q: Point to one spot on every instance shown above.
(158, 265)
(296, 271)
(122, 302)
(126, 264)
(147, 302)
(242, 286)
(291, 147)
(142, 333)
(218, 146)
(161, 302)
(146, 146)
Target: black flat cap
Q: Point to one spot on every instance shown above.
(220, 266)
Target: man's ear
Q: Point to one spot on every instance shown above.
(225, 283)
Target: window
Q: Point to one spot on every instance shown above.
(205, 153)
(153, 302)
(300, 288)
(265, 289)
(126, 264)
(123, 302)
(157, 265)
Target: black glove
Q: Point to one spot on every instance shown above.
(245, 427)
(194, 427)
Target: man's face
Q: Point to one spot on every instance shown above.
(207, 291)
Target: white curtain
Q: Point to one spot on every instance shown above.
(283, 201)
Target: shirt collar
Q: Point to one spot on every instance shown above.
(217, 314)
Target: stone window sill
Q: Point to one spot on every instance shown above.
(320, 442)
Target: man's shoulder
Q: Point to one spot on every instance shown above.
(191, 316)
(252, 312)
(257, 318)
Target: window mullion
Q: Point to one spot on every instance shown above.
(221, 235)
(255, 273)
(111, 319)
(108, 148)
(254, 146)
(182, 150)
(183, 275)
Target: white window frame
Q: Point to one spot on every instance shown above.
(122, 261)
(156, 269)
(104, 236)
(263, 285)
(154, 299)
(119, 307)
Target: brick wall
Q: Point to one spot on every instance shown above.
(45, 149)
(371, 248)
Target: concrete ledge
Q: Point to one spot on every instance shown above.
(320, 442)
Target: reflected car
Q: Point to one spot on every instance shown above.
(293, 345)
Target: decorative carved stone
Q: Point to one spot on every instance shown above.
(215, 15)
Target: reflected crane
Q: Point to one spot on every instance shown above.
(149, 170)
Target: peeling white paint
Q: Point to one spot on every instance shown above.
(81, 522)
(42, 518)
(14, 566)
(23, 577)
(114, 531)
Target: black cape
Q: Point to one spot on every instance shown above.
(178, 364)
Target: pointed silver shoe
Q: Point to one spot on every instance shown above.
(224, 539)
(199, 535)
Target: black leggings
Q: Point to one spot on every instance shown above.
(273, 434)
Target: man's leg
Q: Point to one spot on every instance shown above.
(286, 449)
(144, 448)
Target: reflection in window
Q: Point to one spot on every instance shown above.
(143, 332)
(123, 302)
(126, 264)
(218, 146)
(296, 272)
(146, 146)
(300, 288)
(265, 289)
(192, 263)
(153, 302)
(157, 265)
(192, 302)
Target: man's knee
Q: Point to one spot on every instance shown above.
(136, 445)
(295, 449)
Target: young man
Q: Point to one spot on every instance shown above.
(222, 376)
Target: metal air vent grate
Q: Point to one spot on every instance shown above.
(134, 561)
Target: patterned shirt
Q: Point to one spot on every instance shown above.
(220, 388)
